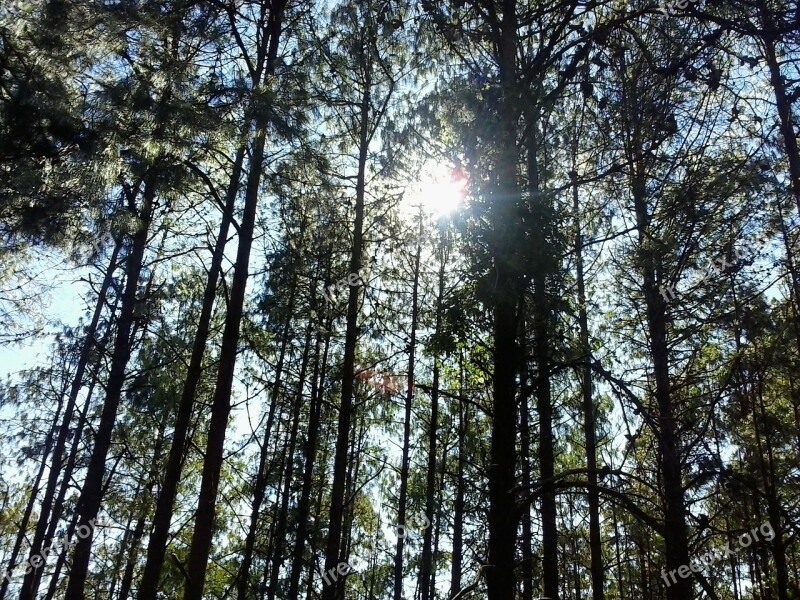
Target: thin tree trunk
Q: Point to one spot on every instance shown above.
(675, 536)
(90, 497)
(221, 406)
(769, 481)
(334, 589)
(458, 505)
(589, 417)
(304, 506)
(46, 514)
(262, 476)
(783, 105)
(544, 403)
(23, 526)
(138, 532)
(69, 469)
(401, 509)
(157, 544)
(71, 527)
(283, 512)
(430, 476)
(122, 552)
(527, 529)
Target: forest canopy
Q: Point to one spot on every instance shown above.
(394, 299)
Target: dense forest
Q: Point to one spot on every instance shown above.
(400, 299)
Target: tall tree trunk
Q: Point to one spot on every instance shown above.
(157, 544)
(527, 529)
(401, 509)
(23, 526)
(69, 469)
(334, 589)
(675, 536)
(138, 531)
(262, 476)
(458, 505)
(589, 417)
(123, 555)
(782, 102)
(46, 514)
(91, 493)
(221, 405)
(430, 475)
(770, 484)
(542, 360)
(283, 512)
(304, 505)
(503, 512)
(71, 529)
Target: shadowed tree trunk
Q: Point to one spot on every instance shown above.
(503, 512)
(589, 417)
(541, 381)
(132, 551)
(401, 509)
(333, 590)
(47, 514)
(91, 493)
(304, 506)
(221, 405)
(426, 568)
(527, 529)
(69, 469)
(283, 512)
(262, 476)
(23, 526)
(458, 505)
(157, 544)
(675, 538)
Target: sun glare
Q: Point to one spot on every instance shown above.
(440, 191)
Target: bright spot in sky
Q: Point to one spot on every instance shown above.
(440, 190)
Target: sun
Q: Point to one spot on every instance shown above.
(440, 190)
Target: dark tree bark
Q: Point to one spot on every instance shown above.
(334, 589)
(262, 476)
(769, 40)
(675, 536)
(91, 493)
(458, 505)
(769, 480)
(426, 568)
(283, 512)
(401, 508)
(304, 505)
(26, 516)
(221, 405)
(157, 544)
(69, 469)
(503, 512)
(527, 529)
(47, 515)
(589, 416)
(132, 550)
(541, 381)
